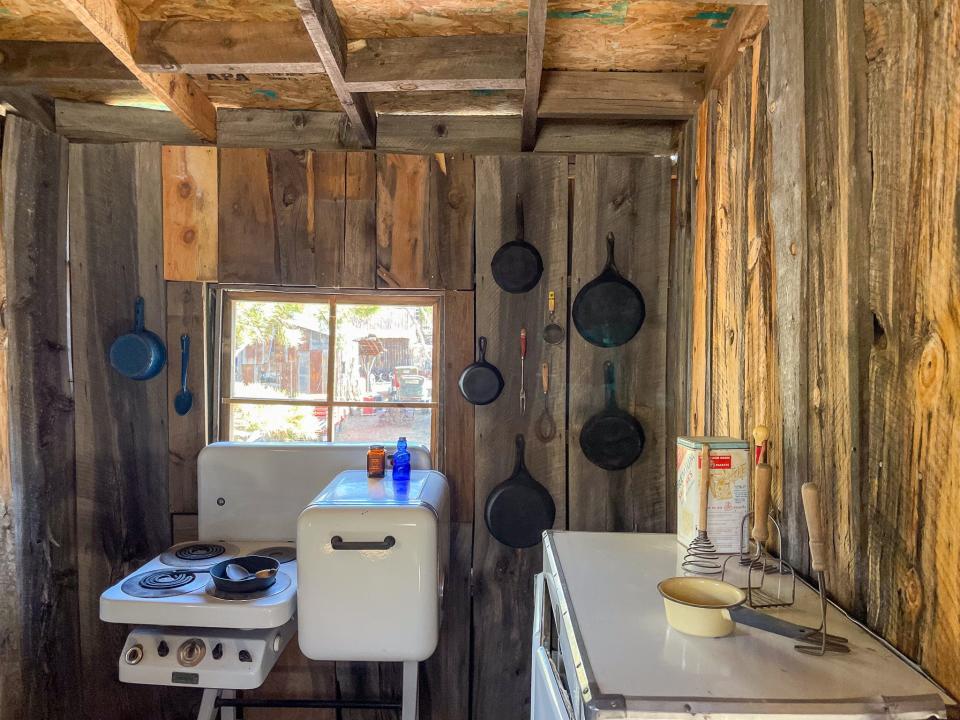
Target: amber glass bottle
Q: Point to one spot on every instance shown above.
(376, 461)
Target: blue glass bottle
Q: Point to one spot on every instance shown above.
(401, 466)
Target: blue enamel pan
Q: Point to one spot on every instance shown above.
(138, 355)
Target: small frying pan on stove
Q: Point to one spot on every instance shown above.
(609, 310)
(480, 382)
(517, 265)
(613, 438)
(519, 509)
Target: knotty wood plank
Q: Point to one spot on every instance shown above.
(838, 191)
(116, 26)
(487, 134)
(464, 62)
(503, 602)
(616, 136)
(323, 26)
(190, 213)
(292, 205)
(620, 95)
(459, 347)
(186, 435)
(914, 374)
(40, 647)
(249, 251)
(93, 122)
(88, 65)
(116, 251)
(294, 129)
(788, 209)
(745, 24)
(359, 267)
(631, 198)
(536, 29)
(680, 314)
(425, 221)
(328, 187)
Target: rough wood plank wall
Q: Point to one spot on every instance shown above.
(631, 198)
(39, 567)
(116, 251)
(189, 213)
(503, 577)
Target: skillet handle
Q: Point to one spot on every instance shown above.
(521, 448)
(482, 348)
(519, 217)
(138, 315)
(609, 382)
(610, 243)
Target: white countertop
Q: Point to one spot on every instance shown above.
(629, 650)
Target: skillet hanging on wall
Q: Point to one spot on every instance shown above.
(519, 509)
(480, 382)
(609, 310)
(517, 265)
(613, 438)
(139, 354)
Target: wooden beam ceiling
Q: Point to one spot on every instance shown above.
(323, 26)
(620, 95)
(745, 24)
(117, 27)
(536, 30)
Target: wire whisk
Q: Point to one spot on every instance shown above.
(702, 557)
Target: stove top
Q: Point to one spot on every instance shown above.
(175, 589)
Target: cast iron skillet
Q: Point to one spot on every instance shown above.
(519, 509)
(517, 266)
(252, 584)
(612, 439)
(139, 354)
(481, 382)
(609, 310)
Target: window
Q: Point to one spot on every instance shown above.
(283, 352)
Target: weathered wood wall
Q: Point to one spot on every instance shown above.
(833, 282)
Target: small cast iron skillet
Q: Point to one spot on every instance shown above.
(517, 265)
(480, 382)
(252, 563)
(519, 509)
(609, 310)
(613, 438)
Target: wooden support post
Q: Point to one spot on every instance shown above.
(116, 26)
(323, 26)
(745, 24)
(536, 27)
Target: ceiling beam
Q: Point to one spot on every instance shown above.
(474, 62)
(29, 62)
(621, 95)
(323, 27)
(745, 24)
(116, 26)
(536, 28)
(30, 105)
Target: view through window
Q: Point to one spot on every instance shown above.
(283, 354)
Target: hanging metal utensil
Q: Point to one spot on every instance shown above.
(609, 310)
(553, 333)
(519, 509)
(517, 265)
(546, 427)
(480, 382)
(613, 438)
(523, 359)
(184, 399)
(702, 557)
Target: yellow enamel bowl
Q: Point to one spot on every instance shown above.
(700, 606)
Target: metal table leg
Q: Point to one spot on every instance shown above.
(410, 691)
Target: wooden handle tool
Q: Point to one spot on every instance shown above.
(761, 502)
(545, 378)
(704, 486)
(811, 509)
(760, 436)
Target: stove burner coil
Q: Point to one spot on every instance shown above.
(166, 580)
(200, 551)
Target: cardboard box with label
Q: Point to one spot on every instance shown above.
(729, 497)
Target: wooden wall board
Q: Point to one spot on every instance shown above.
(359, 265)
(448, 133)
(502, 577)
(911, 478)
(186, 434)
(458, 415)
(248, 242)
(328, 181)
(190, 213)
(184, 527)
(629, 197)
(40, 647)
(425, 221)
(282, 129)
(618, 136)
(116, 252)
(92, 122)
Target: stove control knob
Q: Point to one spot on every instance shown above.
(133, 655)
(217, 651)
(191, 652)
(245, 656)
(163, 649)
(276, 642)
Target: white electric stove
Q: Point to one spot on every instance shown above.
(189, 633)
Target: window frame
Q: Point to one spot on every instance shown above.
(225, 295)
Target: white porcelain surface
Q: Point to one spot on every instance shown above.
(373, 604)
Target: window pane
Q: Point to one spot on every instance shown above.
(277, 423)
(384, 353)
(382, 424)
(280, 350)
